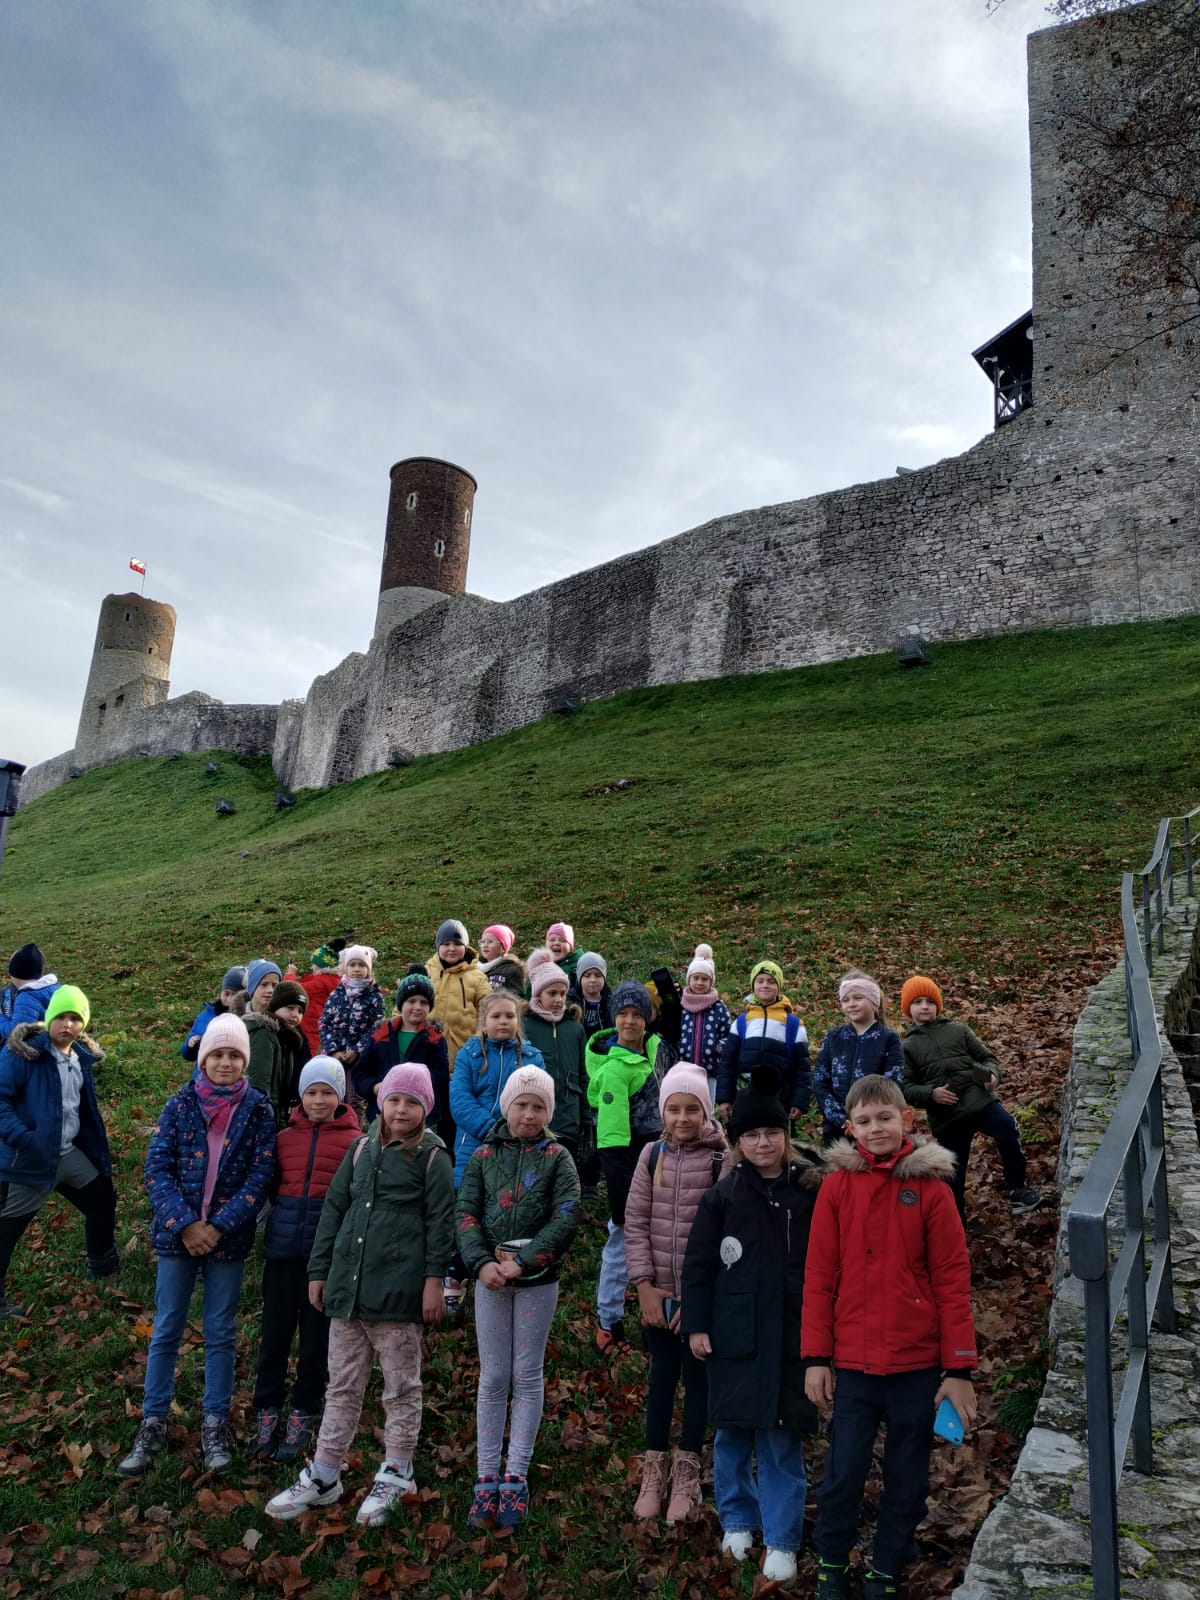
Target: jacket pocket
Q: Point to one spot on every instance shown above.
(733, 1326)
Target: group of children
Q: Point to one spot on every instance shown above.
(410, 1155)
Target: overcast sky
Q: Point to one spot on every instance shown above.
(633, 263)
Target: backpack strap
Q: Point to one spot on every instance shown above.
(656, 1150)
(358, 1150)
(718, 1165)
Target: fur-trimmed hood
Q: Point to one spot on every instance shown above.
(257, 1019)
(21, 1037)
(926, 1159)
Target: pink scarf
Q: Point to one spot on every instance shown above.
(699, 1002)
(218, 1102)
(539, 1010)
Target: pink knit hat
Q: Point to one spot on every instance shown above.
(564, 930)
(702, 963)
(409, 1077)
(528, 1080)
(684, 1078)
(541, 969)
(226, 1032)
(503, 933)
(359, 952)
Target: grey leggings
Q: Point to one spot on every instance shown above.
(512, 1326)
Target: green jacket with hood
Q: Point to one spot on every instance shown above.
(946, 1053)
(518, 1189)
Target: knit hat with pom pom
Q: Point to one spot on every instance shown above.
(541, 969)
(701, 964)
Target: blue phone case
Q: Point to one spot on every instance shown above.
(947, 1424)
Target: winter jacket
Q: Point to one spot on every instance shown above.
(204, 1016)
(481, 1069)
(702, 1035)
(427, 1046)
(660, 1210)
(265, 1071)
(318, 986)
(31, 1108)
(387, 1224)
(888, 1285)
(458, 991)
(766, 1036)
(847, 1055)
(26, 1004)
(595, 1015)
(562, 1045)
(743, 1285)
(506, 973)
(622, 1088)
(518, 1189)
(177, 1163)
(307, 1156)
(294, 1056)
(947, 1053)
(348, 1021)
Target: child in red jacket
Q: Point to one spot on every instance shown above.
(308, 1152)
(887, 1301)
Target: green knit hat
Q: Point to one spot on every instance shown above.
(68, 998)
(771, 968)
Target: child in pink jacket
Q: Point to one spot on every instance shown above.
(671, 1178)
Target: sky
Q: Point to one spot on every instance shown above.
(634, 264)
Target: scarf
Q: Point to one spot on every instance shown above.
(699, 1002)
(540, 1010)
(356, 986)
(218, 1101)
(885, 1163)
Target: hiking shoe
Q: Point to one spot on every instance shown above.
(485, 1504)
(833, 1582)
(1023, 1200)
(297, 1441)
(514, 1501)
(307, 1491)
(390, 1484)
(266, 1434)
(780, 1566)
(151, 1441)
(685, 1487)
(9, 1308)
(878, 1586)
(738, 1545)
(649, 1503)
(612, 1341)
(217, 1444)
(106, 1266)
(452, 1293)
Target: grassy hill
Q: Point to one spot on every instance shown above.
(969, 819)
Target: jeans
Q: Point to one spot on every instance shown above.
(614, 1278)
(172, 1296)
(776, 1503)
(670, 1359)
(997, 1124)
(861, 1401)
(286, 1307)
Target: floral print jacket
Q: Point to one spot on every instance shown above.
(518, 1189)
(349, 1020)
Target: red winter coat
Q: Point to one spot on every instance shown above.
(318, 986)
(887, 1286)
(659, 1213)
(307, 1154)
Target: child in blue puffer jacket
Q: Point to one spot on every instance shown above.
(859, 1047)
(481, 1069)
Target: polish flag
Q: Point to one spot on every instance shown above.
(137, 566)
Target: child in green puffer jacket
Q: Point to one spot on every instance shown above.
(518, 1211)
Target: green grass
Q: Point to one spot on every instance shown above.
(969, 819)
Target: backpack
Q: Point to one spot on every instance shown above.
(718, 1162)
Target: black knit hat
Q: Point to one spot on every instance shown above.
(413, 985)
(26, 963)
(288, 993)
(758, 1105)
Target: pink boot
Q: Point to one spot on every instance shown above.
(685, 1487)
(654, 1472)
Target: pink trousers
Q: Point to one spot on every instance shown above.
(351, 1347)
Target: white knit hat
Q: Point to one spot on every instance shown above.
(528, 1080)
(701, 964)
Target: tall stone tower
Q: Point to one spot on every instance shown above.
(131, 669)
(428, 538)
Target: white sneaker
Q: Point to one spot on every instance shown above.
(780, 1566)
(307, 1491)
(737, 1545)
(388, 1487)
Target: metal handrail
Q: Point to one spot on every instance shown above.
(1132, 1154)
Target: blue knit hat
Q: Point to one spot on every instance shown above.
(629, 992)
(256, 972)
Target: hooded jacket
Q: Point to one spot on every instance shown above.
(518, 1189)
(427, 1046)
(948, 1054)
(25, 1004)
(766, 1036)
(623, 1088)
(31, 1108)
(265, 1069)
(307, 1156)
(318, 986)
(743, 1285)
(481, 1069)
(458, 991)
(562, 1045)
(888, 1284)
(507, 973)
(386, 1225)
(847, 1055)
(602, 1017)
(349, 1020)
(702, 1035)
(659, 1211)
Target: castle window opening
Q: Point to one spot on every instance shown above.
(119, 701)
(149, 649)
(467, 517)
(127, 616)
(411, 503)
(439, 548)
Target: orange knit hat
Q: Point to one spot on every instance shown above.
(916, 988)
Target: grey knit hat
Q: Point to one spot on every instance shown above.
(589, 961)
(452, 932)
(629, 992)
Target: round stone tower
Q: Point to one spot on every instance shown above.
(131, 669)
(428, 538)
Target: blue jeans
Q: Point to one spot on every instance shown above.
(172, 1297)
(614, 1278)
(776, 1503)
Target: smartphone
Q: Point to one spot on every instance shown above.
(670, 1307)
(947, 1424)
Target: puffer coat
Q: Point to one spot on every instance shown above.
(458, 990)
(307, 1157)
(519, 1189)
(660, 1211)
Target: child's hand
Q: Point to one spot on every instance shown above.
(961, 1394)
(316, 1294)
(511, 1270)
(650, 1303)
(198, 1238)
(433, 1300)
(724, 1109)
(193, 1041)
(944, 1096)
(491, 1277)
(818, 1386)
(290, 970)
(700, 1345)
(794, 1114)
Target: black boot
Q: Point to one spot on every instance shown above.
(11, 1229)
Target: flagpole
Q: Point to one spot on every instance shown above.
(143, 585)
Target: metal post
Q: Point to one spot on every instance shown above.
(1102, 1464)
(1187, 852)
(10, 795)
(1147, 925)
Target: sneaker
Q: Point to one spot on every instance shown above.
(390, 1484)
(738, 1545)
(1023, 1200)
(217, 1444)
(612, 1341)
(452, 1293)
(833, 1582)
(878, 1586)
(485, 1504)
(297, 1441)
(307, 1491)
(151, 1441)
(685, 1487)
(514, 1501)
(265, 1444)
(106, 1266)
(780, 1566)
(649, 1503)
